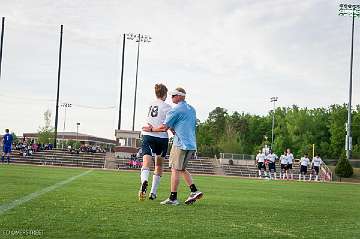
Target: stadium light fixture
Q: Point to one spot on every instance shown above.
(273, 99)
(137, 38)
(65, 106)
(353, 11)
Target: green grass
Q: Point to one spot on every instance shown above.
(104, 204)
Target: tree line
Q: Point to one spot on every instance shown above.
(295, 128)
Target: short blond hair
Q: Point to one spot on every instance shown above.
(160, 90)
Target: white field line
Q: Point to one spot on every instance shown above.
(7, 206)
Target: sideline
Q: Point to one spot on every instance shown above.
(8, 206)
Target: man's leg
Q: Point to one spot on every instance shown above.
(8, 157)
(176, 156)
(156, 177)
(174, 184)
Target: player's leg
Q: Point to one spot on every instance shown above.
(260, 169)
(274, 171)
(8, 157)
(8, 151)
(317, 173)
(145, 169)
(311, 173)
(160, 148)
(157, 176)
(305, 172)
(265, 171)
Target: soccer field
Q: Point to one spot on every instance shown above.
(42, 202)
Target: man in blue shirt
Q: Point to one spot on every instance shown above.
(7, 142)
(181, 120)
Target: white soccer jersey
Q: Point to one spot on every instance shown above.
(304, 161)
(283, 159)
(316, 161)
(290, 158)
(260, 157)
(156, 117)
(272, 157)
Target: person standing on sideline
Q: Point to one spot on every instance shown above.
(272, 168)
(290, 160)
(283, 165)
(181, 119)
(7, 143)
(260, 160)
(304, 162)
(315, 166)
(154, 143)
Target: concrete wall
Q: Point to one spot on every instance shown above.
(237, 162)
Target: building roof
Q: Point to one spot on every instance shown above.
(74, 136)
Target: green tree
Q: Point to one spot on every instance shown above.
(337, 119)
(46, 133)
(15, 138)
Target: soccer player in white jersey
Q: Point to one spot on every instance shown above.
(272, 168)
(290, 160)
(304, 162)
(260, 160)
(154, 143)
(283, 163)
(315, 166)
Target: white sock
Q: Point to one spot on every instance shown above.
(144, 176)
(155, 183)
(259, 173)
(316, 178)
(310, 177)
(299, 177)
(274, 175)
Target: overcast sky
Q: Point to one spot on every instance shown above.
(234, 54)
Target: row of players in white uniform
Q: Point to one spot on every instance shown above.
(266, 157)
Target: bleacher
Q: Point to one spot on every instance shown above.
(58, 157)
(251, 171)
(195, 166)
(207, 166)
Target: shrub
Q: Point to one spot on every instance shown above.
(343, 167)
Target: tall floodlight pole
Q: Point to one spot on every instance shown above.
(273, 99)
(58, 87)
(138, 38)
(2, 41)
(121, 81)
(64, 105)
(77, 131)
(352, 11)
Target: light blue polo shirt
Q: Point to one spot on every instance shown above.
(182, 118)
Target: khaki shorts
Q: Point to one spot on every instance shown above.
(179, 158)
